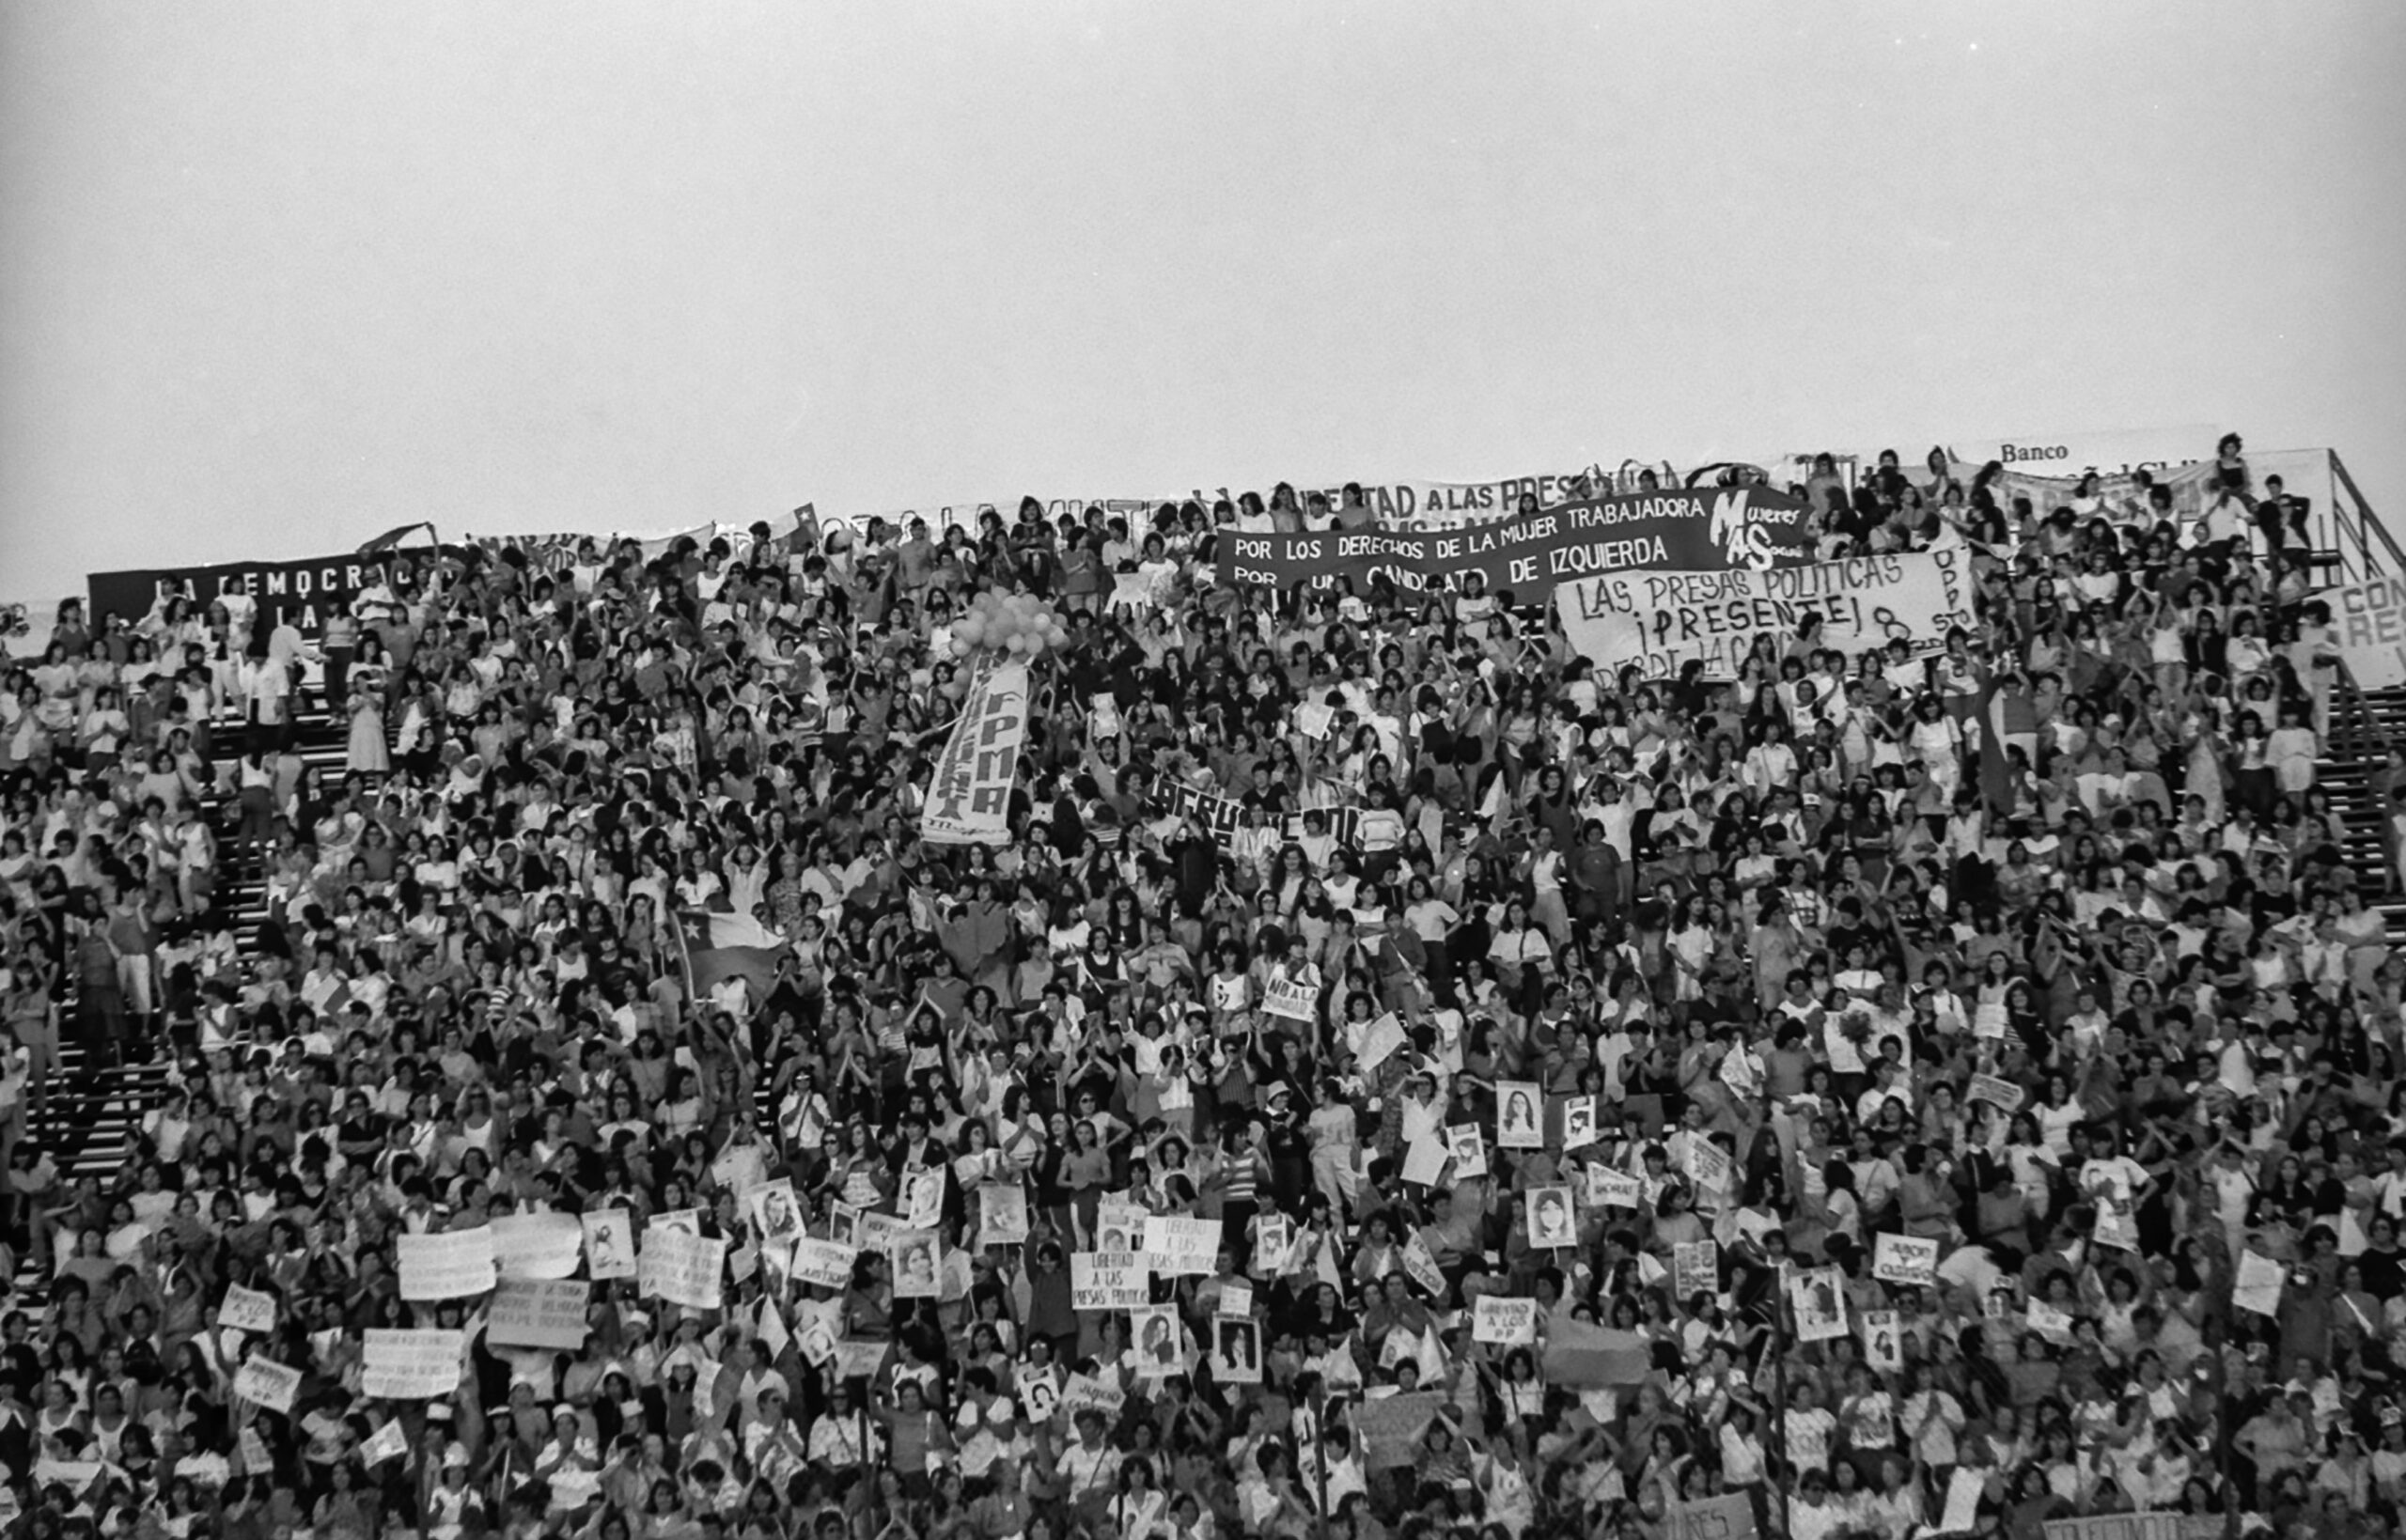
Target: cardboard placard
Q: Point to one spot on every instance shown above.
(267, 1383)
(682, 1269)
(538, 1312)
(445, 1264)
(1504, 1320)
(1902, 1259)
(247, 1310)
(1109, 1280)
(416, 1365)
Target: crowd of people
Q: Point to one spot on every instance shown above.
(1905, 1089)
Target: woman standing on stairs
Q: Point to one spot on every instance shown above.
(30, 1012)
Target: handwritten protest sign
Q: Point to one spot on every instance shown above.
(682, 1269)
(1297, 1001)
(415, 1365)
(445, 1264)
(1902, 1259)
(267, 1383)
(1109, 1281)
(1727, 1518)
(1498, 1319)
(1182, 1247)
(1083, 1391)
(1608, 1189)
(1695, 1268)
(1420, 1265)
(826, 1263)
(1391, 1427)
(538, 1312)
(247, 1310)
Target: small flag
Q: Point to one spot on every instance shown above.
(391, 537)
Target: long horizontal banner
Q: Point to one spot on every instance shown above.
(302, 592)
(1662, 621)
(1528, 555)
(1224, 817)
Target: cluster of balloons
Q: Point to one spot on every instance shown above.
(1019, 624)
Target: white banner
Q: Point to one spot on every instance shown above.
(2369, 624)
(1662, 621)
(1180, 1247)
(446, 1264)
(1109, 1281)
(538, 1312)
(410, 1366)
(969, 797)
(682, 1269)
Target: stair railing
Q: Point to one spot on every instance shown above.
(2364, 546)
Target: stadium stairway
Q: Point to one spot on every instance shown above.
(2364, 725)
(91, 1120)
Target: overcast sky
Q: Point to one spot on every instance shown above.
(276, 276)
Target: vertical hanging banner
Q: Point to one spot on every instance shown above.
(1662, 621)
(969, 799)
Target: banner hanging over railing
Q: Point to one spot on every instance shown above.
(1662, 621)
(1527, 555)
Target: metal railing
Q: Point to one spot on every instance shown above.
(2354, 532)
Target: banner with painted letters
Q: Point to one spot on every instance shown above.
(1224, 817)
(445, 1264)
(1662, 621)
(409, 1365)
(2136, 1527)
(538, 1312)
(1527, 555)
(2369, 627)
(969, 799)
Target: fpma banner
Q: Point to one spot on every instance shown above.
(969, 799)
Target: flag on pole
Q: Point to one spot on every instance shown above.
(718, 948)
(393, 537)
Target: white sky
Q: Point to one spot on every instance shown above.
(276, 276)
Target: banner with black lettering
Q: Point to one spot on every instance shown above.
(1662, 621)
(970, 797)
(1527, 555)
(2369, 625)
(1223, 817)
